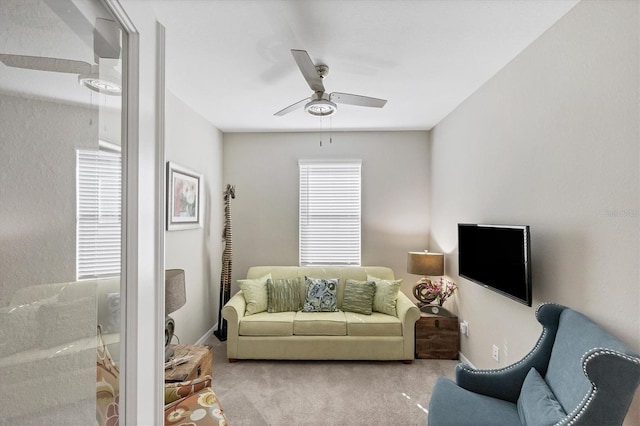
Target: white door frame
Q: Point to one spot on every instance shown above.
(129, 280)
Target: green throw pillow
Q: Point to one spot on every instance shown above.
(284, 295)
(255, 294)
(386, 296)
(358, 296)
(321, 295)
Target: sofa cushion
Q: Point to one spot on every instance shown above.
(358, 296)
(386, 295)
(376, 324)
(267, 324)
(255, 294)
(284, 295)
(537, 405)
(321, 295)
(320, 324)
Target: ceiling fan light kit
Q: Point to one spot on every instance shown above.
(100, 84)
(322, 104)
(320, 107)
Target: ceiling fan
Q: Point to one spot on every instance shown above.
(322, 104)
(106, 45)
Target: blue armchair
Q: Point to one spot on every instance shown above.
(577, 374)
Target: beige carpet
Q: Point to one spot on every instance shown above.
(325, 392)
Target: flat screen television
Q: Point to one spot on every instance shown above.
(496, 257)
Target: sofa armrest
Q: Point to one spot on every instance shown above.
(505, 383)
(408, 313)
(233, 311)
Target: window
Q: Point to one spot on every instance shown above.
(99, 187)
(330, 212)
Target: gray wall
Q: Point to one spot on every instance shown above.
(38, 190)
(395, 202)
(192, 142)
(39, 139)
(551, 141)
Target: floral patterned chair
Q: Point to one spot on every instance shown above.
(107, 386)
(192, 403)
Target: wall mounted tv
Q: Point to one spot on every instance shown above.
(496, 257)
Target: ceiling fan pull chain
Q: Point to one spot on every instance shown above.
(330, 129)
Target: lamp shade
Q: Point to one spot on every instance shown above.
(174, 293)
(425, 263)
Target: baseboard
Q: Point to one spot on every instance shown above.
(207, 335)
(465, 360)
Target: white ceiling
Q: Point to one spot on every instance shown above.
(231, 60)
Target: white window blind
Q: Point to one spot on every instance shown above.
(99, 195)
(330, 213)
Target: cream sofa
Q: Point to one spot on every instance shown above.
(321, 335)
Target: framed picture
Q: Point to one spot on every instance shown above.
(184, 198)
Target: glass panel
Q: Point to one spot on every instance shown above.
(60, 118)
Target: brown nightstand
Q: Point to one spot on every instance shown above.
(200, 364)
(437, 337)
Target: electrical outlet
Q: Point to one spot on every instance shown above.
(464, 328)
(496, 353)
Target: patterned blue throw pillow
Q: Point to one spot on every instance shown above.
(321, 295)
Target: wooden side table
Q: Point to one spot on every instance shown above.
(437, 337)
(200, 364)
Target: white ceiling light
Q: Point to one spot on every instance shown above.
(320, 107)
(101, 84)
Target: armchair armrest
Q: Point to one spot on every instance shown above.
(505, 383)
(614, 378)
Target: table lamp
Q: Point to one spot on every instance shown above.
(174, 298)
(427, 290)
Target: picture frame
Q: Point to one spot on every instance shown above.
(184, 198)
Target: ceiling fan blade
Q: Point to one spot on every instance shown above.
(45, 64)
(346, 98)
(293, 107)
(308, 70)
